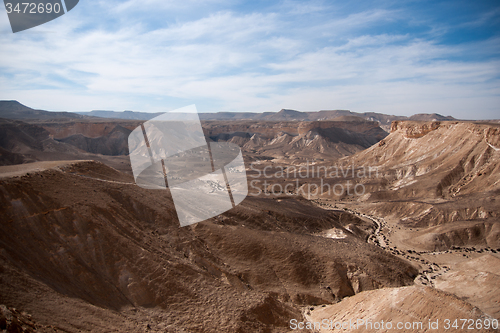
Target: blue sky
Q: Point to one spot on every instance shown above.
(396, 57)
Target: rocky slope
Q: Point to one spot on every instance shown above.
(414, 309)
(21, 142)
(434, 199)
(431, 173)
(474, 281)
(113, 143)
(82, 248)
(292, 141)
(92, 251)
(92, 129)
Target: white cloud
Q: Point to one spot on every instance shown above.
(244, 62)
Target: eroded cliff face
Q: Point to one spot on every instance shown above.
(413, 129)
(461, 157)
(290, 140)
(297, 141)
(270, 129)
(492, 137)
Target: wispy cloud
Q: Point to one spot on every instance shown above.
(297, 55)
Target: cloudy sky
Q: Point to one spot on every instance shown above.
(396, 57)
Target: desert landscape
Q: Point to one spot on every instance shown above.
(350, 217)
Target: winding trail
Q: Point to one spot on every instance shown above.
(99, 179)
(381, 238)
(429, 270)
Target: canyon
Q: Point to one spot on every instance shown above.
(83, 248)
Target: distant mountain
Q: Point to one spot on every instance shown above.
(336, 115)
(283, 115)
(132, 115)
(430, 117)
(286, 114)
(14, 106)
(16, 110)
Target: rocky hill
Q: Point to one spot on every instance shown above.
(82, 248)
(437, 159)
(22, 142)
(435, 199)
(434, 173)
(94, 252)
